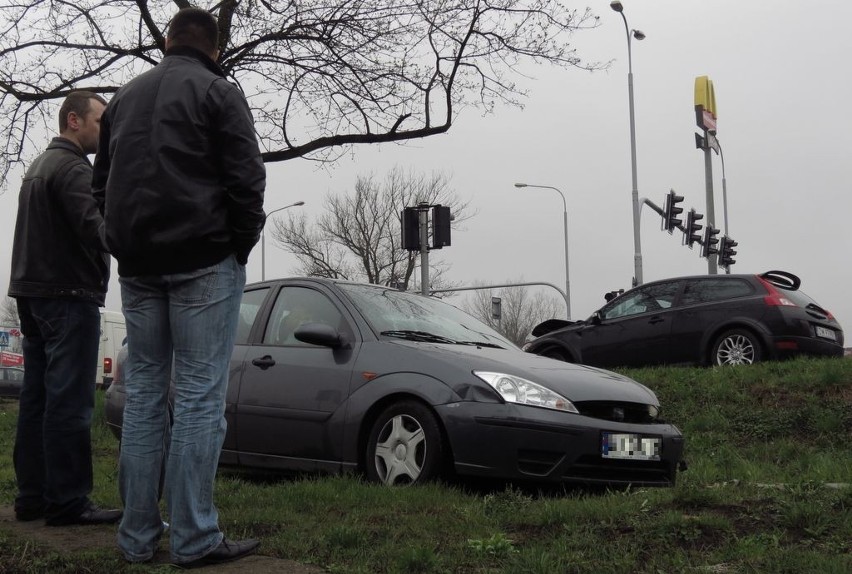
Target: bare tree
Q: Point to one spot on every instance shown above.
(9, 312)
(521, 310)
(359, 235)
(317, 74)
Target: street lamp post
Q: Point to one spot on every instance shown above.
(637, 240)
(263, 238)
(565, 230)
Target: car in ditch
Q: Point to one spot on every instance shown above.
(704, 319)
(334, 376)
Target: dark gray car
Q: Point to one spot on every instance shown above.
(703, 319)
(336, 376)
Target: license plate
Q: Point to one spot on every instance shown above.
(825, 333)
(630, 446)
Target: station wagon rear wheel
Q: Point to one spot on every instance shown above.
(737, 347)
(405, 445)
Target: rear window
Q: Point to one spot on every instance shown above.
(798, 298)
(709, 290)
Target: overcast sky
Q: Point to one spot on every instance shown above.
(783, 94)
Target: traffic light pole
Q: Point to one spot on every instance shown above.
(711, 217)
(424, 251)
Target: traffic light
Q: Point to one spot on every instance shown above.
(441, 218)
(411, 229)
(692, 233)
(727, 252)
(671, 212)
(708, 247)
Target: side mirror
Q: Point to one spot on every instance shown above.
(320, 334)
(595, 319)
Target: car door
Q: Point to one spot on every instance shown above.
(707, 302)
(634, 329)
(253, 301)
(290, 391)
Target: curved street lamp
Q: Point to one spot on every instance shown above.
(637, 240)
(565, 230)
(263, 238)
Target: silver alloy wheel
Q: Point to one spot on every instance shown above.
(400, 450)
(735, 349)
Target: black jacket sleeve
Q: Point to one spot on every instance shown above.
(243, 171)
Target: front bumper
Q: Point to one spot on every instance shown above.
(527, 443)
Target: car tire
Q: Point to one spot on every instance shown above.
(405, 445)
(736, 347)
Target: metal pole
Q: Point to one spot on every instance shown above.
(724, 196)
(711, 212)
(637, 237)
(565, 232)
(263, 238)
(424, 250)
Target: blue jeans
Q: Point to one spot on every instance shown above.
(53, 447)
(193, 318)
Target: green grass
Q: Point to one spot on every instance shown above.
(765, 444)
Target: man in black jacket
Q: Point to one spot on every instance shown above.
(180, 181)
(59, 277)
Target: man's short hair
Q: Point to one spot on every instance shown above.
(79, 102)
(196, 28)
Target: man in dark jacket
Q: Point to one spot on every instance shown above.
(59, 277)
(180, 181)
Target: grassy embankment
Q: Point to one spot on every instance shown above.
(766, 445)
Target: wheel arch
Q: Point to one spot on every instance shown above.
(367, 402)
(711, 335)
(373, 412)
(555, 345)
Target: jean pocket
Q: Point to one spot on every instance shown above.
(195, 287)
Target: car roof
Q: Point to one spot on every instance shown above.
(781, 279)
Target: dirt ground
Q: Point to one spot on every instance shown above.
(72, 538)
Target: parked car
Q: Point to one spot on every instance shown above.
(705, 319)
(11, 381)
(336, 376)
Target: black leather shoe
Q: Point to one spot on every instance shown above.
(29, 514)
(227, 551)
(92, 514)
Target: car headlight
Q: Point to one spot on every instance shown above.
(523, 392)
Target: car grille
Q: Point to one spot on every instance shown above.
(619, 411)
(592, 469)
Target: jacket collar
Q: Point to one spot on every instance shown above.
(65, 143)
(198, 55)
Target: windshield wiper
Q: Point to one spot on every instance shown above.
(418, 336)
(479, 344)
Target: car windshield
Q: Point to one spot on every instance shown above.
(399, 314)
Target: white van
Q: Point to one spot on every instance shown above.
(113, 332)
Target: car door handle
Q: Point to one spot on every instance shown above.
(655, 320)
(264, 362)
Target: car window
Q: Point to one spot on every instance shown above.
(295, 306)
(707, 290)
(249, 307)
(388, 309)
(648, 299)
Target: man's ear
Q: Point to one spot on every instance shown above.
(73, 121)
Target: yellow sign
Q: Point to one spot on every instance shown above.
(705, 104)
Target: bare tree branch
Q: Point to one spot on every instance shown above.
(359, 235)
(319, 75)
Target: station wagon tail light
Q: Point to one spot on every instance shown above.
(523, 392)
(107, 365)
(775, 298)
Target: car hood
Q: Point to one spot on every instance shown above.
(574, 382)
